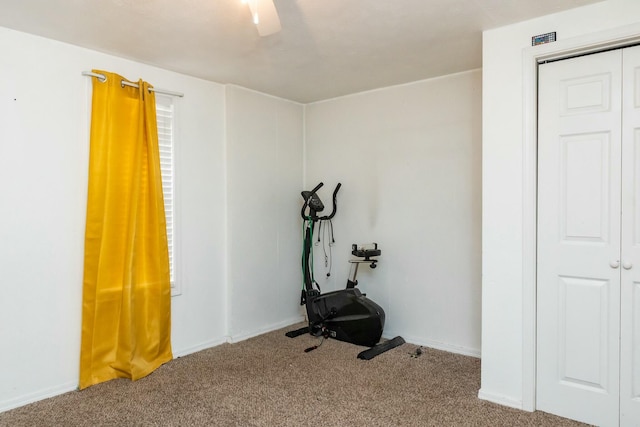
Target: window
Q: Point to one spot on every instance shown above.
(165, 113)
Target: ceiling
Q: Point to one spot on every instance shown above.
(327, 48)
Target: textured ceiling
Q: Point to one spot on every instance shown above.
(326, 48)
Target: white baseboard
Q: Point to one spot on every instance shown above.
(451, 348)
(234, 338)
(500, 399)
(67, 387)
(72, 386)
(202, 346)
(38, 395)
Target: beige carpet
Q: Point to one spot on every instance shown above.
(270, 381)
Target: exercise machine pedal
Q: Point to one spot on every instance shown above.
(298, 332)
(381, 348)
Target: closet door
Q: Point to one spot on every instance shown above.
(630, 284)
(578, 290)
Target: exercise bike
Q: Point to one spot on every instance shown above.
(346, 315)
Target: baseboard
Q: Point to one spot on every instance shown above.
(500, 399)
(238, 337)
(67, 387)
(273, 327)
(465, 351)
(38, 395)
(202, 346)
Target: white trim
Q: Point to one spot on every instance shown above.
(438, 345)
(273, 327)
(529, 232)
(500, 400)
(38, 395)
(202, 346)
(589, 43)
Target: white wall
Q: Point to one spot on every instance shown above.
(408, 156)
(506, 323)
(44, 119)
(409, 160)
(264, 155)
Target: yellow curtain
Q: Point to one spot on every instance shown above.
(126, 307)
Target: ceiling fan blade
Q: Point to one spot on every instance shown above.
(268, 19)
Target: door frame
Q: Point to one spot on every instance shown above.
(532, 56)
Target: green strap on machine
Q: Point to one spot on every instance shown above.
(308, 223)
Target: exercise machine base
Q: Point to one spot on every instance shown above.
(381, 348)
(298, 332)
(369, 354)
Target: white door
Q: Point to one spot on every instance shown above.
(630, 283)
(579, 202)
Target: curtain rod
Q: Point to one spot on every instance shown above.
(103, 78)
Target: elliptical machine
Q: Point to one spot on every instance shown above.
(346, 315)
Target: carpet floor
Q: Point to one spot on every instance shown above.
(270, 381)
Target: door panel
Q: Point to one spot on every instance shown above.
(579, 175)
(582, 95)
(583, 341)
(584, 187)
(630, 277)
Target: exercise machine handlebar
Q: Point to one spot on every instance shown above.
(309, 199)
(335, 204)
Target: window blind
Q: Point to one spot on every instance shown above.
(165, 119)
